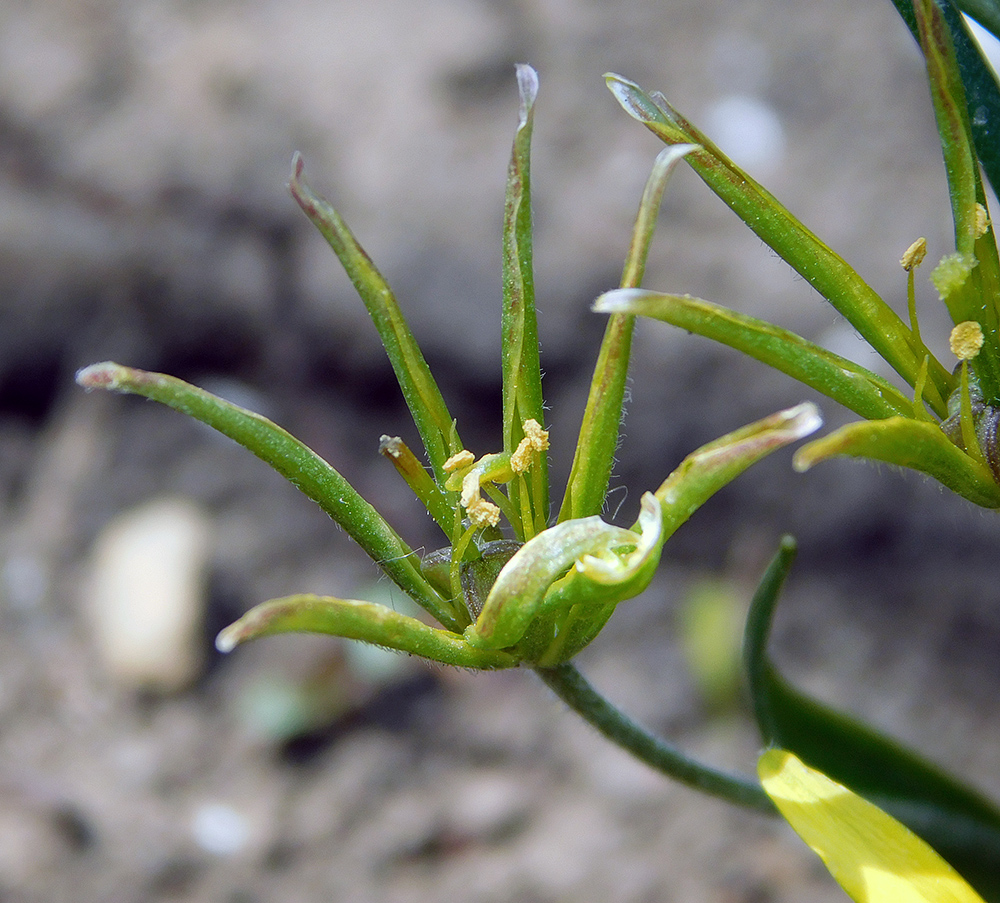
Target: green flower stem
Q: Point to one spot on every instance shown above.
(421, 392)
(296, 462)
(573, 689)
(595, 448)
(967, 422)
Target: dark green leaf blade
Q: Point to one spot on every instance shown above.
(985, 12)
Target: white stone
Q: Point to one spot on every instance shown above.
(146, 597)
(219, 829)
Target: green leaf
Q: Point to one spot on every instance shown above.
(981, 89)
(840, 379)
(915, 444)
(958, 822)
(297, 463)
(875, 858)
(356, 620)
(599, 432)
(522, 374)
(825, 270)
(420, 391)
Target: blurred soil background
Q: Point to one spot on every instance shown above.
(144, 152)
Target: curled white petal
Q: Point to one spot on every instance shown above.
(587, 544)
(609, 568)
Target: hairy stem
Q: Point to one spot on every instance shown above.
(573, 689)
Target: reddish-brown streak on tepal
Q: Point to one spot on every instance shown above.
(295, 185)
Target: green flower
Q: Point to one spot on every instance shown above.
(509, 587)
(946, 425)
(874, 858)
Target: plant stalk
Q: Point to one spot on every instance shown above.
(574, 689)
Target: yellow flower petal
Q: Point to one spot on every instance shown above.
(873, 857)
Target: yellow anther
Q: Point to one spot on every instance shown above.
(914, 255)
(534, 433)
(535, 440)
(966, 340)
(470, 488)
(457, 461)
(982, 221)
(483, 513)
(520, 461)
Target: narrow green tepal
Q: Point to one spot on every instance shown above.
(982, 91)
(437, 502)
(595, 449)
(952, 116)
(822, 268)
(296, 462)
(915, 444)
(356, 620)
(522, 373)
(704, 472)
(836, 377)
(421, 392)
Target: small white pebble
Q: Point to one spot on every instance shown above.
(146, 595)
(219, 829)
